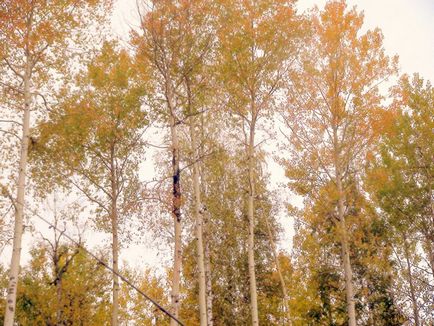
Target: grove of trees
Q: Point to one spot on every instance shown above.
(214, 93)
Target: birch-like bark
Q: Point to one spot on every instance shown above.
(430, 236)
(115, 240)
(251, 218)
(351, 308)
(115, 253)
(345, 255)
(20, 202)
(198, 215)
(411, 284)
(176, 213)
(206, 235)
(208, 278)
(279, 272)
(430, 253)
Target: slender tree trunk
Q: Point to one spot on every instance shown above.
(155, 319)
(329, 312)
(410, 281)
(115, 253)
(208, 277)
(349, 291)
(351, 308)
(206, 234)
(198, 215)
(59, 311)
(20, 202)
(251, 218)
(115, 240)
(430, 235)
(430, 253)
(176, 212)
(57, 276)
(279, 272)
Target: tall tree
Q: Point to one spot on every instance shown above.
(255, 42)
(401, 185)
(176, 41)
(198, 98)
(93, 141)
(224, 173)
(32, 34)
(317, 296)
(333, 106)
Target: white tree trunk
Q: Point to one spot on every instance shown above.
(115, 240)
(429, 244)
(115, 253)
(345, 254)
(411, 284)
(251, 238)
(208, 277)
(351, 308)
(279, 272)
(429, 235)
(206, 236)
(20, 203)
(198, 215)
(176, 213)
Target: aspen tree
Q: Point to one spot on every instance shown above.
(175, 41)
(255, 41)
(158, 48)
(317, 295)
(198, 95)
(400, 179)
(206, 228)
(334, 104)
(227, 234)
(94, 143)
(32, 34)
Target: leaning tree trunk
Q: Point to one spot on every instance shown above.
(251, 218)
(198, 215)
(115, 240)
(279, 272)
(176, 212)
(20, 203)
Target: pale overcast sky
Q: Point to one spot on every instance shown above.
(407, 25)
(408, 28)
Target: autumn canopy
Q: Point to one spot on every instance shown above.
(138, 169)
